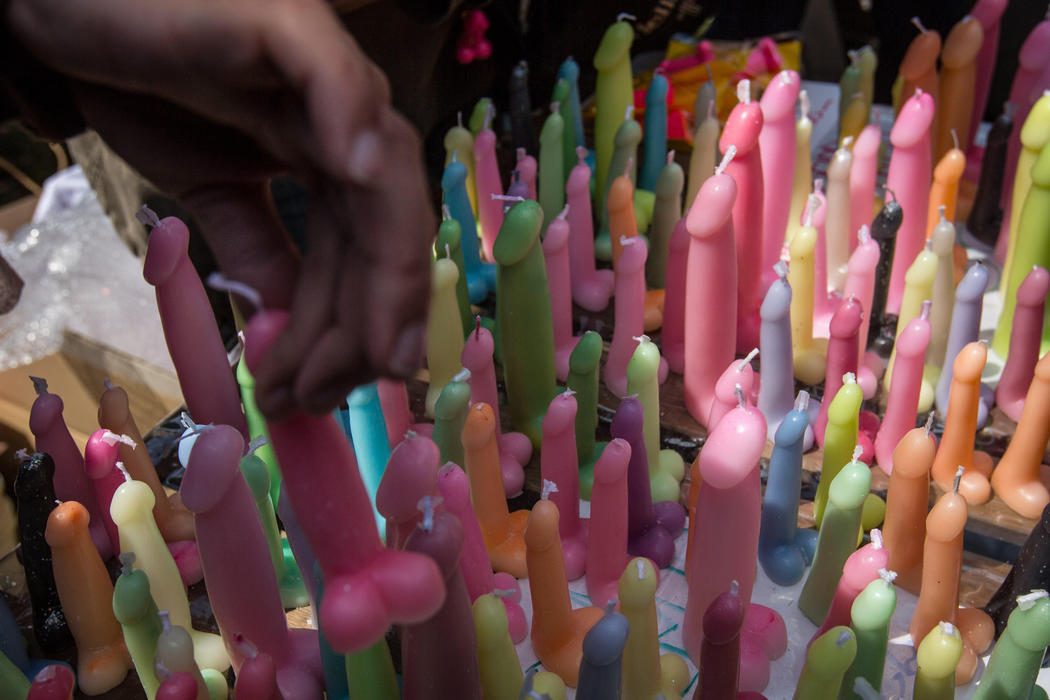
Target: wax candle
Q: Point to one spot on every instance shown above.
(13, 653)
(501, 529)
(1020, 479)
(71, 483)
(520, 109)
(561, 480)
(775, 396)
(1034, 135)
(256, 430)
(728, 465)
(583, 379)
(449, 415)
(918, 287)
(704, 156)
(654, 142)
(618, 212)
(35, 496)
(523, 313)
(607, 535)
(965, 327)
(842, 356)
(741, 131)
(617, 208)
(1025, 334)
(557, 630)
(551, 167)
(603, 650)
(481, 277)
(136, 612)
(884, 230)
(180, 686)
(100, 464)
(645, 672)
(1031, 245)
(809, 354)
(958, 82)
(1029, 572)
(720, 651)
(870, 621)
(777, 146)
(956, 447)
(439, 658)
(613, 93)
(944, 192)
(556, 261)
(527, 169)
(840, 439)
(827, 660)
(902, 405)
(449, 244)
(487, 181)
(849, 84)
(175, 655)
(54, 682)
(651, 527)
(710, 307)
(909, 178)
(515, 448)
(936, 658)
(822, 306)
(784, 550)
(861, 568)
(411, 475)
(862, 177)
(190, 330)
(459, 145)
(667, 212)
(918, 68)
(837, 539)
(738, 376)
(591, 288)
(837, 231)
(1014, 665)
(367, 427)
(498, 667)
(666, 467)
(257, 678)
(86, 592)
(987, 13)
(860, 283)
(543, 684)
(569, 71)
(942, 242)
(986, 214)
(300, 546)
(629, 321)
(672, 332)
(444, 336)
(803, 175)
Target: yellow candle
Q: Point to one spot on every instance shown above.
(942, 243)
(1035, 133)
(836, 228)
(444, 329)
(645, 672)
(918, 288)
(810, 354)
(501, 675)
(937, 656)
(802, 179)
(459, 142)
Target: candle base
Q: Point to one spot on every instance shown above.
(102, 669)
(515, 451)
(763, 639)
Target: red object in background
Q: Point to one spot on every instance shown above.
(472, 44)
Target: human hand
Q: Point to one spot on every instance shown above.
(208, 100)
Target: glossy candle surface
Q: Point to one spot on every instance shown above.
(777, 143)
(918, 288)
(498, 666)
(603, 648)
(1020, 479)
(941, 565)
(918, 68)
(136, 612)
(551, 189)
(654, 142)
(840, 439)
(630, 314)
(861, 568)
(480, 276)
(444, 333)
(809, 355)
(936, 657)
(1028, 573)
(613, 93)
(986, 214)
(862, 179)
(720, 651)
(1034, 134)
(645, 672)
(1014, 666)
(1025, 335)
(903, 401)
(803, 175)
(583, 379)
(957, 445)
(607, 538)
(907, 502)
(944, 191)
(776, 390)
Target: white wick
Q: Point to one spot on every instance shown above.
(802, 401)
(507, 197)
(957, 478)
(625, 240)
(626, 15)
(812, 202)
(803, 100)
(924, 313)
(929, 424)
(864, 234)
(887, 575)
(642, 339)
(563, 214)
(734, 587)
(427, 504)
(446, 213)
(549, 487)
(1027, 600)
(743, 91)
(628, 113)
(876, 538)
(147, 217)
(462, 375)
(856, 453)
(781, 268)
(740, 402)
(640, 565)
(726, 159)
(918, 24)
(747, 360)
(111, 438)
(670, 156)
(843, 638)
(948, 628)
(849, 378)
(255, 443)
(410, 434)
(220, 282)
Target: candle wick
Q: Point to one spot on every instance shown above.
(864, 234)
(477, 326)
(39, 385)
(849, 378)
(106, 383)
(726, 159)
(521, 153)
(802, 401)
(743, 92)
(642, 339)
(563, 214)
(803, 99)
(626, 15)
(568, 392)
(244, 646)
(127, 560)
(628, 113)
(925, 312)
(632, 396)
(446, 213)
(781, 268)
(958, 478)
(462, 375)
(459, 119)
(948, 628)
(1026, 601)
(847, 142)
(739, 391)
(918, 24)
(843, 638)
(856, 454)
(549, 487)
(147, 217)
(502, 593)
(410, 434)
(747, 360)
(639, 564)
(427, 504)
(123, 470)
(955, 138)
(670, 156)
(876, 538)
(887, 575)
(165, 620)
(581, 155)
(507, 197)
(555, 106)
(734, 587)
(255, 443)
(610, 606)
(890, 193)
(455, 153)
(942, 210)
(929, 424)
(22, 454)
(220, 282)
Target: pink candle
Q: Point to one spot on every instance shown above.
(740, 374)
(100, 464)
(515, 449)
(988, 13)
(861, 568)
(742, 130)
(561, 480)
(630, 315)
(393, 397)
(909, 178)
(591, 288)
(607, 538)
(842, 357)
(862, 183)
(367, 587)
(527, 168)
(902, 405)
(710, 305)
(824, 304)
(474, 558)
(196, 349)
(487, 180)
(556, 259)
(71, 482)
(672, 333)
(237, 567)
(257, 677)
(777, 146)
(860, 283)
(411, 475)
(1025, 337)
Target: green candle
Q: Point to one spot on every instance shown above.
(501, 675)
(583, 379)
(449, 415)
(840, 437)
(523, 313)
(849, 83)
(13, 683)
(937, 656)
(1015, 660)
(444, 330)
(837, 538)
(827, 659)
(614, 91)
(666, 468)
(868, 61)
(370, 674)
(625, 152)
(136, 612)
(448, 246)
(257, 429)
(667, 210)
(478, 116)
(551, 186)
(562, 96)
(870, 620)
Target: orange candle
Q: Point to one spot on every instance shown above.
(1020, 479)
(958, 82)
(557, 629)
(945, 188)
(919, 66)
(501, 529)
(907, 503)
(87, 599)
(960, 428)
(620, 204)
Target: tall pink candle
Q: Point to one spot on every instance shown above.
(902, 404)
(860, 283)
(837, 234)
(591, 288)
(556, 260)
(196, 349)
(741, 131)
(862, 183)
(100, 464)
(487, 180)
(1025, 337)
(607, 538)
(393, 397)
(367, 587)
(561, 480)
(824, 304)
(861, 568)
(410, 475)
(710, 305)
(842, 357)
(630, 315)
(672, 333)
(909, 178)
(988, 13)
(777, 146)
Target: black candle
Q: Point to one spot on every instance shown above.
(1030, 572)
(35, 496)
(521, 132)
(986, 214)
(884, 231)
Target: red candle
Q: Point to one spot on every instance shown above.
(411, 474)
(54, 682)
(100, 464)
(720, 650)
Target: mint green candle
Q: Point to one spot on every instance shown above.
(448, 245)
(667, 210)
(450, 413)
(477, 117)
(523, 315)
(13, 683)
(837, 538)
(1014, 665)
(870, 620)
(137, 614)
(370, 674)
(551, 184)
(613, 93)
(583, 379)
(563, 96)
(827, 659)
(666, 468)
(257, 429)
(840, 438)
(937, 656)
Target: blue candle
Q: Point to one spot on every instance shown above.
(654, 145)
(600, 669)
(784, 551)
(371, 444)
(481, 277)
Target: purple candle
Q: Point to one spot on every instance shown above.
(776, 390)
(965, 328)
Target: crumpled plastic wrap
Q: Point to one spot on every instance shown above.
(78, 276)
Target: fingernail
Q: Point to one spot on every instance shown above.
(366, 157)
(408, 351)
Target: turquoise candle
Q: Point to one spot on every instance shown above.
(552, 166)
(481, 277)
(654, 145)
(583, 379)
(449, 244)
(371, 444)
(450, 413)
(570, 72)
(1014, 665)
